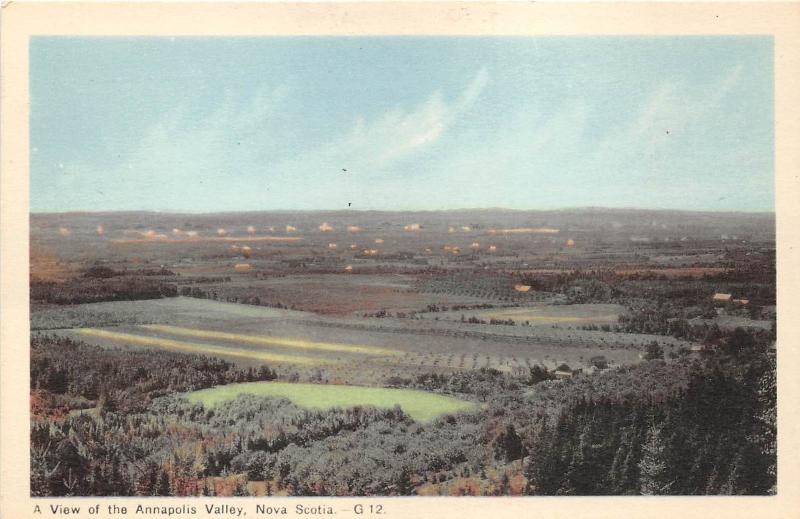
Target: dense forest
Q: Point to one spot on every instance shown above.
(113, 422)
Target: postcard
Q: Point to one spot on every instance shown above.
(399, 260)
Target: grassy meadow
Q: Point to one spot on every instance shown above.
(422, 406)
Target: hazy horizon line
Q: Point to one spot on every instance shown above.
(455, 210)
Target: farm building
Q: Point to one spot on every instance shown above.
(242, 267)
(562, 374)
(412, 227)
(742, 302)
(722, 298)
(492, 248)
(325, 227)
(522, 288)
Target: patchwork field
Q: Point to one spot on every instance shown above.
(198, 348)
(557, 314)
(269, 353)
(542, 314)
(676, 272)
(268, 340)
(353, 350)
(420, 405)
(336, 294)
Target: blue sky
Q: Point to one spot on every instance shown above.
(225, 124)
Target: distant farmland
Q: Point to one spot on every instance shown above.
(195, 347)
(558, 314)
(356, 350)
(378, 353)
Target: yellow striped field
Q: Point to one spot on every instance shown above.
(267, 340)
(200, 348)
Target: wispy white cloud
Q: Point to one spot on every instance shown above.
(180, 152)
(553, 153)
(370, 146)
(669, 117)
(526, 157)
(238, 150)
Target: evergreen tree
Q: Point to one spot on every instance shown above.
(240, 489)
(403, 482)
(162, 484)
(653, 467)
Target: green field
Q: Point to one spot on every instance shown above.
(558, 314)
(420, 405)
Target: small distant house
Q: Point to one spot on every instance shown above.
(522, 288)
(242, 267)
(722, 298)
(563, 374)
(742, 302)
